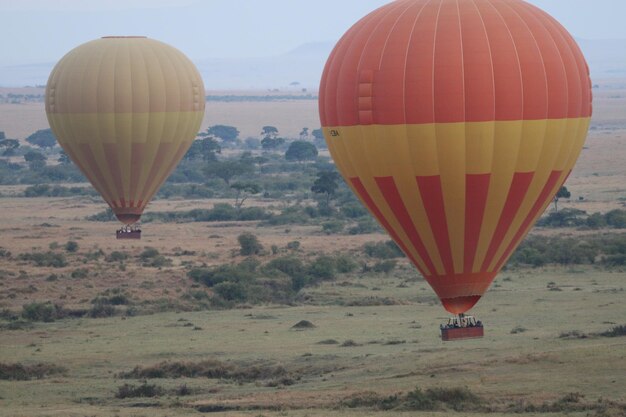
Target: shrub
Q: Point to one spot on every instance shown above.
(71, 246)
(213, 276)
(615, 331)
(230, 291)
(209, 368)
(383, 250)
(353, 211)
(99, 311)
(149, 253)
(133, 391)
(288, 265)
(21, 372)
(250, 244)
(158, 262)
(293, 245)
(345, 264)
(365, 226)
(459, 399)
(616, 218)
(332, 227)
(322, 268)
(45, 259)
(384, 266)
(116, 256)
(80, 273)
(46, 312)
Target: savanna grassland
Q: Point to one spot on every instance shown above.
(313, 312)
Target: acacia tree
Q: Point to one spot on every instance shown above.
(244, 190)
(563, 193)
(224, 132)
(326, 183)
(43, 138)
(9, 145)
(35, 160)
(301, 151)
(269, 142)
(304, 134)
(227, 170)
(318, 134)
(269, 131)
(205, 148)
(64, 159)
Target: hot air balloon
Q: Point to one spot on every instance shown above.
(455, 122)
(125, 109)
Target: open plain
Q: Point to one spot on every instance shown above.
(371, 346)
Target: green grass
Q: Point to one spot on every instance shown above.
(264, 364)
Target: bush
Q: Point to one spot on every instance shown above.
(250, 244)
(615, 331)
(158, 262)
(365, 226)
(333, 227)
(209, 368)
(71, 246)
(133, 391)
(293, 245)
(288, 265)
(459, 399)
(46, 312)
(46, 259)
(99, 311)
(116, 256)
(230, 291)
(616, 218)
(384, 266)
(345, 264)
(353, 211)
(322, 268)
(383, 250)
(80, 273)
(149, 253)
(21, 372)
(610, 250)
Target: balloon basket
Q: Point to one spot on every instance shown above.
(462, 327)
(448, 335)
(127, 233)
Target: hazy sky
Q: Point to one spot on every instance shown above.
(34, 31)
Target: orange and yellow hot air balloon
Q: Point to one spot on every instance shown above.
(456, 122)
(125, 110)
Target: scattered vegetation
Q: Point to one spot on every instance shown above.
(26, 372)
(249, 244)
(615, 331)
(136, 391)
(210, 368)
(607, 250)
(45, 259)
(432, 399)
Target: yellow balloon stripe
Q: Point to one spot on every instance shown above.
(519, 158)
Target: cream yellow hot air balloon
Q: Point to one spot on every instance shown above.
(125, 110)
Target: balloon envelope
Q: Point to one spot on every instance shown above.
(125, 110)
(456, 122)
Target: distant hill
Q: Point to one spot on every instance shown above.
(302, 67)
